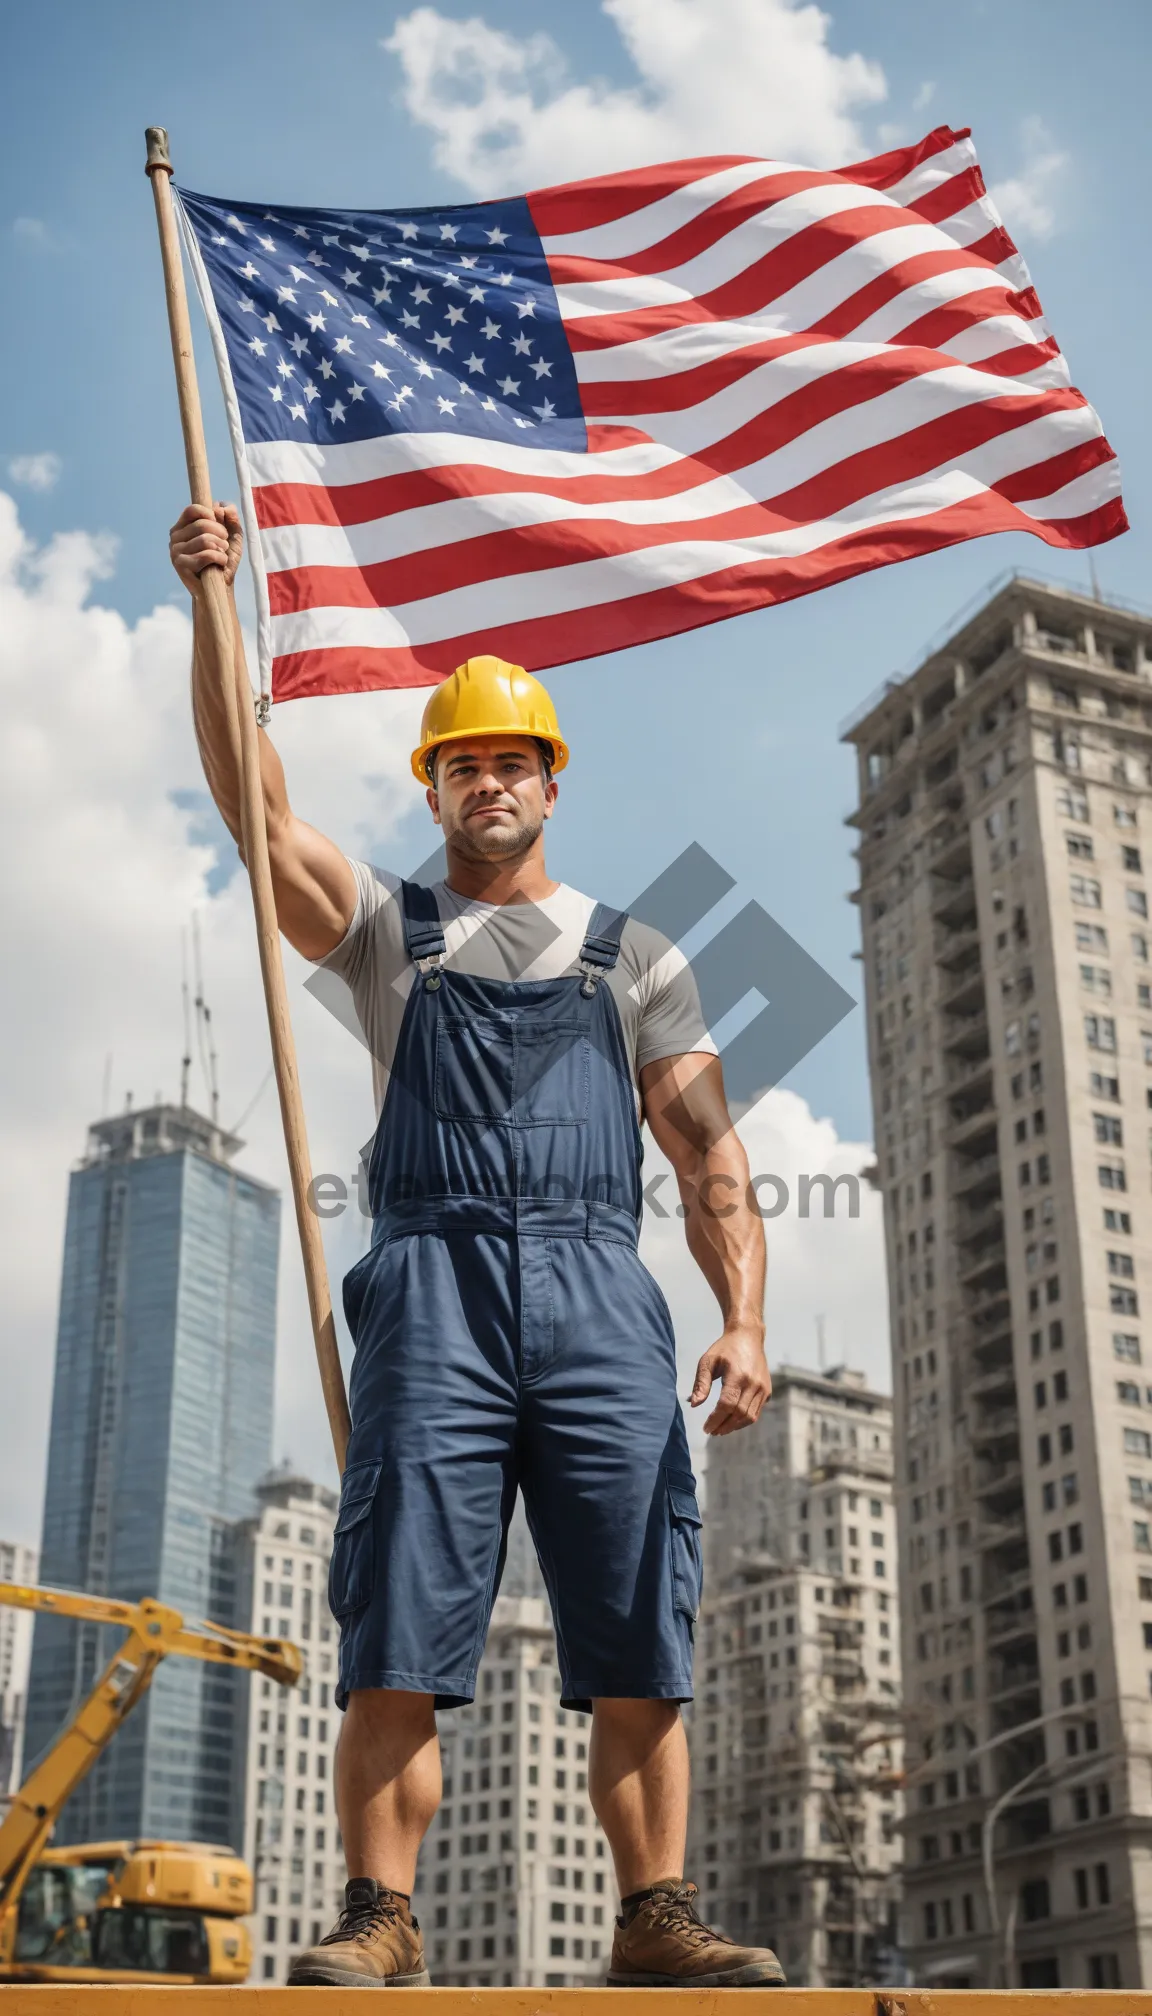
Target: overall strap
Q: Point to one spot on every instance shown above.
(601, 947)
(423, 931)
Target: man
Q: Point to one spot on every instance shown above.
(507, 1335)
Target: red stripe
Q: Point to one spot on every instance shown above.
(580, 206)
(884, 170)
(901, 279)
(949, 197)
(995, 248)
(1021, 357)
(541, 548)
(1045, 478)
(949, 319)
(698, 234)
(542, 642)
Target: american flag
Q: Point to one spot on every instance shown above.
(557, 424)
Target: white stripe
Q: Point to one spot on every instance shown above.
(936, 290)
(747, 242)
(1083, 493)
(349, 462)
(929, 174)
(627, 236)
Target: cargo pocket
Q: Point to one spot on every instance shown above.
(684, 1524)
(352, 1569)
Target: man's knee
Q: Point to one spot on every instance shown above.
(376, 1709)
(638, 1716)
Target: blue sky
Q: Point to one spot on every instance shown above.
(727, 736)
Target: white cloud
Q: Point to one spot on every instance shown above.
(924, 95)
(32, 229)
(38, 472)
(729, 76)
(1029, 200)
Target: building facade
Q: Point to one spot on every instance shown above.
(287, 1823)
(1005, 815)
(17, 1564)
(515, 1882)
(161, 1428)
(796, 1728)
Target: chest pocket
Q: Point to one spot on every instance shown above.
(515, 1073)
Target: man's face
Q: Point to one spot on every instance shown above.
(490, 796)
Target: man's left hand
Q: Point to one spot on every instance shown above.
(737, 1360)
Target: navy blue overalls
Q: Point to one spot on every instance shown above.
(507, 1333)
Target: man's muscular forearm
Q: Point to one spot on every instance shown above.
(216, 736)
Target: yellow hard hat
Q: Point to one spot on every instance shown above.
(487, 696)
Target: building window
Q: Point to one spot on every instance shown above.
(1137, 902)
(1034, 1900)
(1086, 891)
(1111, 1176)
(1103, 1970)
(1100, 1031)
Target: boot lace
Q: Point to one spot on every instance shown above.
(674, 1912)
(362, 1919)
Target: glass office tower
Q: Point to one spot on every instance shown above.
(161, 1428)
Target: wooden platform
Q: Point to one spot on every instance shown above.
(65, 2000)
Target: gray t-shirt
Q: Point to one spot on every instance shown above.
(652, 983)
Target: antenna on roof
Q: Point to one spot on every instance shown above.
(204, 1027)
(106, 1089)
(1094, 577)
(820, 1342)
(186, 1059)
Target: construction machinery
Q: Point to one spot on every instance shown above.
(111, 1911)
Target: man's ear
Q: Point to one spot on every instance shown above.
(433, 803)
(551, 793)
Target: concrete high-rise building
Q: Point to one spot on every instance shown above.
(515, 1883)
(287, 1828)
(1005, 819)
(17, 1564)
(796, 1727)
(161, 1428)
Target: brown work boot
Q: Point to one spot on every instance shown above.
(661, 1943)
(375, 1943)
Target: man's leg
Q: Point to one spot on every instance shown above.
(387, 1783)
(638, 1786)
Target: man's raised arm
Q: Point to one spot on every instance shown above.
(314, 885)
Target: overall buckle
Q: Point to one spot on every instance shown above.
(429, 970)
(593, 974)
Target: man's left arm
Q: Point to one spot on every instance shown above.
(685, 1107)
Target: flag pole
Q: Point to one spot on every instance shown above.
(229, 668)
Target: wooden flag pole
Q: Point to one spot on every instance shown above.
(236, 692)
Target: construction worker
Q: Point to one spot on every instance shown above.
(507, 1334)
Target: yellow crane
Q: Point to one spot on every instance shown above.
(210, 1886)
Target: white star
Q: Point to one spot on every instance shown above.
(381, 370)
(298, 231)
(420, 293)
(309, 390)
(409, 320)
(522, 423)
(285, 369)
(326, 370)
(464, 387)
(247, 305)
(298, 344)
(406, 262)
(250, 272)
(351, 277)
(391, 339)
(408, 230)
(330, 238)
(337, 409)
(296, 412)
(269, 244)
(355, 391)
(218, 240)
(236, 224)
(286, 294)
(343, 346)
(454, 314)
(442, 342)
(448, 231)
(362, 320)
(476, 293)
(465, 260)
(474, 363)
(453, 280)
(317, 321)
(298, 273)
(489, 405)
(424, 368)
(277, 392)
(257, 346)
(504, 279)
(522, 344)
(359, 251)
(270, 217)
(314, 259)
(508, 386)
(497, 237)
(446, 405)
(380, 294)
(541, 369)
(490, 329)
(331, 299)
(547, 411)
(526, 307)
(270, 322)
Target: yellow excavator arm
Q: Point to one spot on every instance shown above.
(153, 1631)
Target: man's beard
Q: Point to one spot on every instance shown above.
(496, 843)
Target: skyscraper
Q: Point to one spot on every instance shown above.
(161, 1428)
(796, 1732)
(1005, 812)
